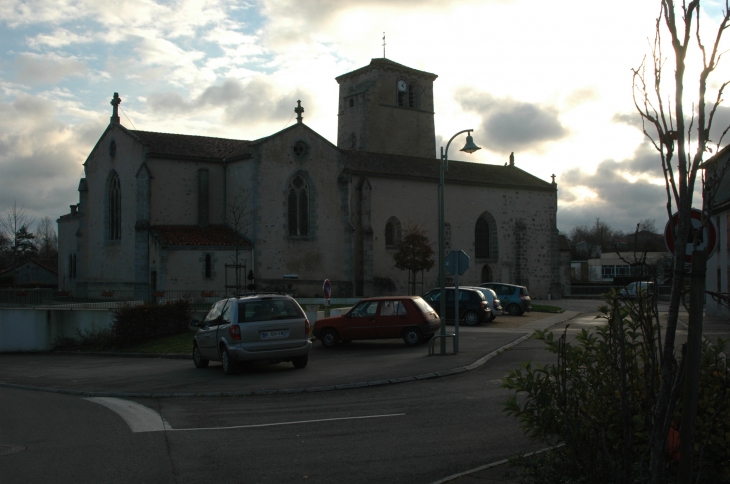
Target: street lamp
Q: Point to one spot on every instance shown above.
(469, 147)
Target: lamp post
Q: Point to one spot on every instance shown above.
(469, 147)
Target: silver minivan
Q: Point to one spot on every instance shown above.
(270, 327)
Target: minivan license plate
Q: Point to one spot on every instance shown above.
(274, 334)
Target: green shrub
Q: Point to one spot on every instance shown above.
(598, 399)
(134, 324)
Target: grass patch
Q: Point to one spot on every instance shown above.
(167, 345)
(544, 308)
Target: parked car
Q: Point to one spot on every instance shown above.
(473, 306)
(515, 299)
(494, 302)
(407, 317)
(637, 288)
(264, 327)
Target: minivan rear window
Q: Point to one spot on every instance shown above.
(270, 310)
(523, 291)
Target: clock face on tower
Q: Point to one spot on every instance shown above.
(402, 86)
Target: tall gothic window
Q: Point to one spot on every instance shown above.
(298, 207)
(115, 208)
(392, 233)
(481, 239)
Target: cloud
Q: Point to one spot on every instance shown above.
(614, 198)
(582, 96)
(59, 38)
(47, 69)
(42, 155)
(242, 103)
(512, 125)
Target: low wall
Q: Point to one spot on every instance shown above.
(30, 329)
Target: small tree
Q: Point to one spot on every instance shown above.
(414, 253)
(14, 226)
(237, 218)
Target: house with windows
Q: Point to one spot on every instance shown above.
(164, 212)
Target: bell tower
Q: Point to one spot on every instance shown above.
(386, 107)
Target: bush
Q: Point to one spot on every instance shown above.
(598, 399)
(134, 324)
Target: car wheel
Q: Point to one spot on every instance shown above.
(198, 359)
(229, 366)
(471, 318)
(300, 361)
(514, 310)
(329, 338)
(412, 337)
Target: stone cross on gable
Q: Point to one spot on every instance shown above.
(553, 177)
(299, 110)
(116, 100)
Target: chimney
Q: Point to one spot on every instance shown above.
(512, 159)
(74, 209)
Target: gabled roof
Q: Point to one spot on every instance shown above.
(194, 235)
(182, 146)
(366, 163)
(51, 265)
(383, 62)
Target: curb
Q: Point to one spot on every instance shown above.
(286, 391)
(176, 356)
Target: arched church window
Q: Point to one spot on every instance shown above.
(298, 207)
(486, 274)
(481, 239)
(115, 208)
(392, 233)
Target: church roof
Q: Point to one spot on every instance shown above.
(383, 62)
(194, 235)
(361, 162)
(564, 243)
(182, 146)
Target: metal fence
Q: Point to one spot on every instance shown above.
(103, 299)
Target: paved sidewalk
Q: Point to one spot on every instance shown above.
(358, 364)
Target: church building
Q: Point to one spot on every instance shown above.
(168, 212)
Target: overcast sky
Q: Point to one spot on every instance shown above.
(547, 80)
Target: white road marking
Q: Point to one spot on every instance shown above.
(144, 419)
(289, 423)
(138, 417)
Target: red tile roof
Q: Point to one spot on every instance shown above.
(187, 235)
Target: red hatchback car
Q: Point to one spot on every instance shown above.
(407, 317)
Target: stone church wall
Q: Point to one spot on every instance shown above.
(525, 222)
(109, 263)
(323, 253)
(175, 192)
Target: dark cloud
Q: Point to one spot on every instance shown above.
(619, 203)
(42, 69)
(242, 103)
(631, 119)
(512, 125)
(42, 156)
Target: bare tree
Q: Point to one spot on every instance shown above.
(237, 217)
(47, 239)
(14, 225)
(681, 137)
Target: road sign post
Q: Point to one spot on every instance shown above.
(327, 290)
(457, 262)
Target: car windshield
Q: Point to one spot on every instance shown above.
(365, 308)
(270, 310)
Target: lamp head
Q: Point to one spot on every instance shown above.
(470, 147)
